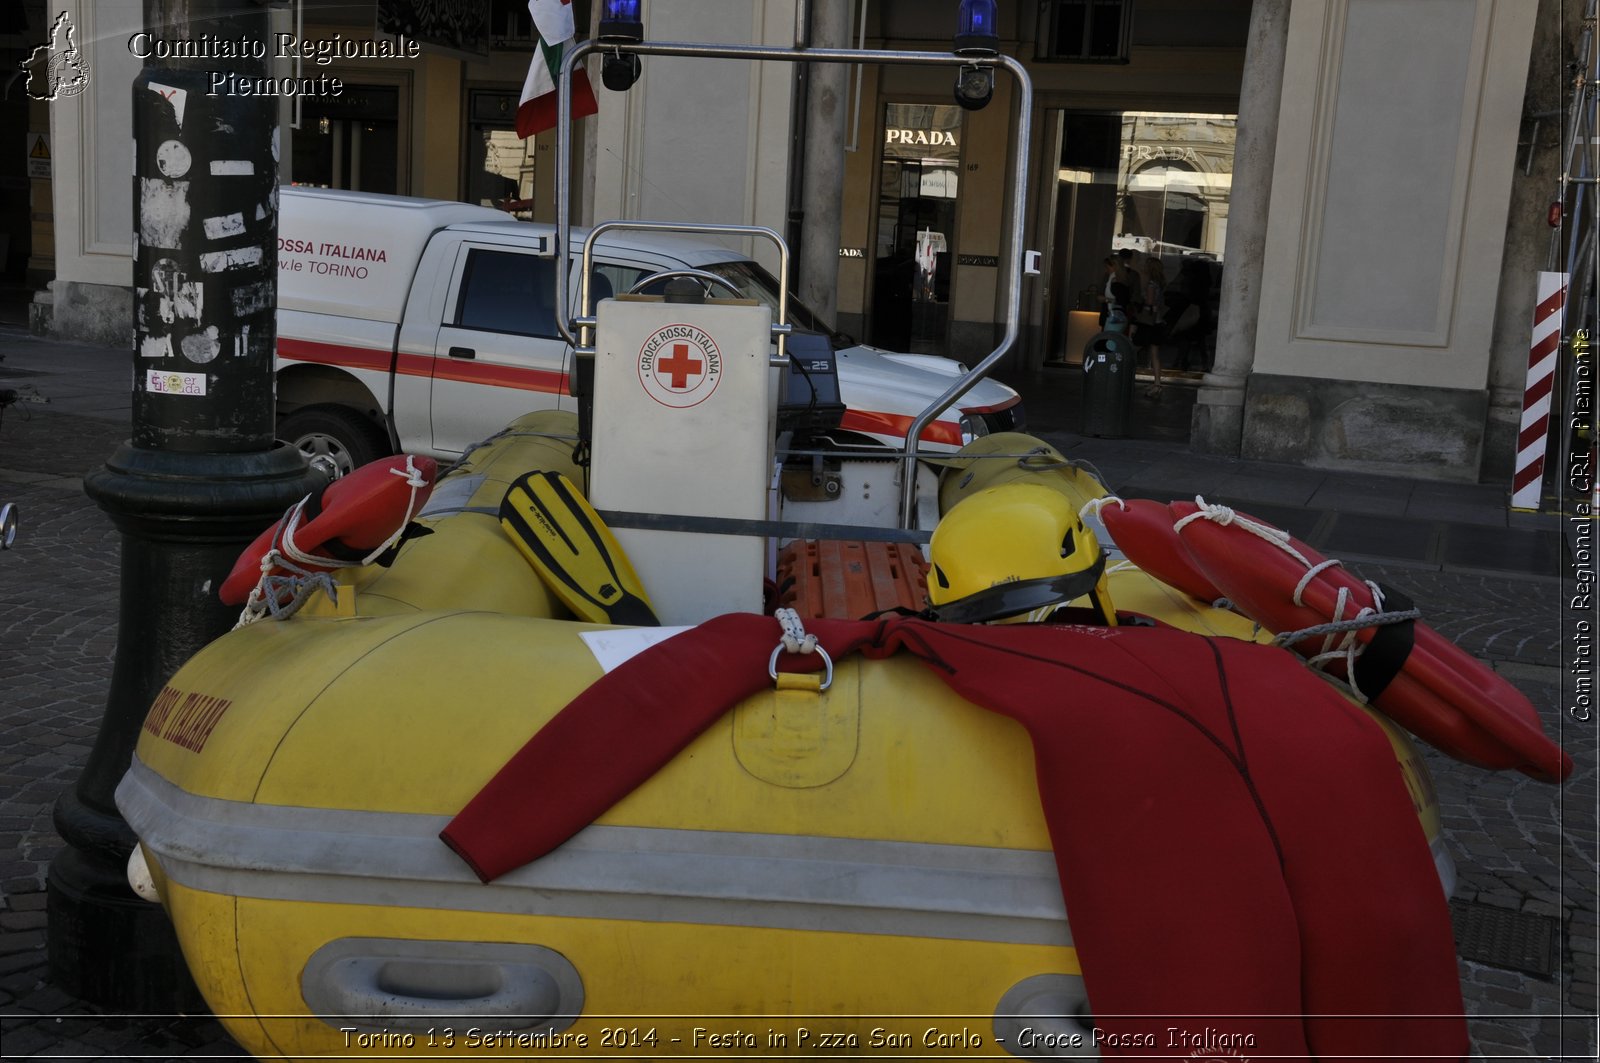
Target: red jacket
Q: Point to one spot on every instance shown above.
(1233, 836)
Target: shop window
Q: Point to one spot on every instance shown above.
(1153, 184)
(352, 140)
(918, 189)
(511, 26)
(1174, 177)
(499, 166)
(1085, 31)
(448, 26)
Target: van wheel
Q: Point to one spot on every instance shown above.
(334, 439)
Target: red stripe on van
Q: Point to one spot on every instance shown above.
(422, 365)
(500, 376)
(893, 424)
(414, 365)
(333, 354)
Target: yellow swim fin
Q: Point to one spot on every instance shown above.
(573, 551)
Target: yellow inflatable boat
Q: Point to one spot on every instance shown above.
(865, 869)
(1014, 797)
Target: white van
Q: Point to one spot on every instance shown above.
(424, 326)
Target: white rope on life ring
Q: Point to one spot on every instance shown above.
(280, 596)
(1093, 507)
(1348, 649)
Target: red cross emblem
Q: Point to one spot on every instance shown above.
(678, 367)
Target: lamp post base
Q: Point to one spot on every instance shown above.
(109, 946)
(184, 518)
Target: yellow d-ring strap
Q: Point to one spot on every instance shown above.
(826, 674)
(808, 682)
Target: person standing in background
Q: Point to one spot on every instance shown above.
(1130, 276)
(1113, 276)
(1151, 328)
(1189, 316)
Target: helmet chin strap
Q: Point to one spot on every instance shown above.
(1004, 601)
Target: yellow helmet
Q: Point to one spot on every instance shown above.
(1016, 551)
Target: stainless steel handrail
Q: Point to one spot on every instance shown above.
(584, 343)
(761, 53)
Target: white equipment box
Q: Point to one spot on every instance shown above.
(680, 391)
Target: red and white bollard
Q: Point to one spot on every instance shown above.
(1527, 483)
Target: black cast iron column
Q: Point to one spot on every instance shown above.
(201, 475)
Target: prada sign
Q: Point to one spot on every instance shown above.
(937, 138)
(922, 131)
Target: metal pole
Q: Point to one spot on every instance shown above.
(1578, 148)
(799, 86)
(199, 477)
(1576, 170)
(822, 163)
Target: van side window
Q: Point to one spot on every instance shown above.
(506, 292)
(622, 278)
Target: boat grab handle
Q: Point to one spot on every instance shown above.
(409, 984)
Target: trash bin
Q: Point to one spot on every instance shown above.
(1107, 385)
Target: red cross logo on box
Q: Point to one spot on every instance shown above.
(680, 365)
(679, 368)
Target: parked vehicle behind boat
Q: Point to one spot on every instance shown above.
(423, 326)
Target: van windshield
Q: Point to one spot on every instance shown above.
(754, 282)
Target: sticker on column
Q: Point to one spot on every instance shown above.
(252, 299)
(224, 226)
(202, 346)
(680, 366)
(163, 212)
(233, 258)
(173, 159)
(175, 96)
(180, 298)
(155, 347)
(157, 382)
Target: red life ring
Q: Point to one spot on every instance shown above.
(1142, 529)
(344, 523)
(1439, 692)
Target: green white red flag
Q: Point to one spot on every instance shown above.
(554, 30)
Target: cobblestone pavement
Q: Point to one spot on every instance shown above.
(1520, 847)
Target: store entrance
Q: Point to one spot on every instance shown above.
(918, 190)
(1150, 190)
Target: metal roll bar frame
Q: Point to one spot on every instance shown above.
(582, 339)
(585, 321)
